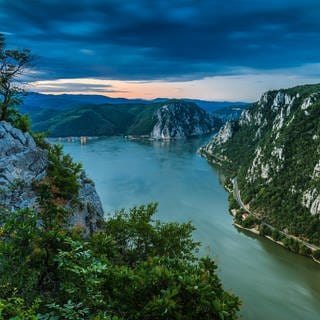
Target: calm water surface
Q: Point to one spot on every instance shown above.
(272, 282)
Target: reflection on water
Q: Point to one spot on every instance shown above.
(272, 282)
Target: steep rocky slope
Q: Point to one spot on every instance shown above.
(22, 163)
(274, 149)
(163, 120)
(178, 119)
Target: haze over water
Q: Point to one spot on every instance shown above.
(272, 282)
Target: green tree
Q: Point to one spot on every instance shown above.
(135, 267)
(13, 64)
(265, 230)
(250, 222)
(316, 254)
(275, 234)
(233, 204)
(304, 250)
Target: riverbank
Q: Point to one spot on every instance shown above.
(267, 231)
(252, 230)
(256, 232)
(253, 223)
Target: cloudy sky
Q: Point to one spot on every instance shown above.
(209, 49)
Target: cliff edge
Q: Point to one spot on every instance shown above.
(180, 119)
(22, 163)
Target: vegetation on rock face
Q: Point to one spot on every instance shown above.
(273, 149)
(63, 173)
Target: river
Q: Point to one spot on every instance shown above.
(272, 282)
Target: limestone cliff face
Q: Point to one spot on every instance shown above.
(22, 162)
(179, 119)
(225, 133)
(274, 149)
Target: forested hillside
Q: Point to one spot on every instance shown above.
(175, 119)
(274, 150)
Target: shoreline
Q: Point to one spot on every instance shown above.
(212, 159)
(257, 233)
(127, 137)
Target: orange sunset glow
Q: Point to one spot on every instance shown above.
(234, 88)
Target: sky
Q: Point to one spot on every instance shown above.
(207, 49)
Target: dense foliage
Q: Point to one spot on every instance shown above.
(278, 199)
(97, 120)
(13, 64)
(133, 268)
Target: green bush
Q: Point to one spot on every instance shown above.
(265, 230)
(238, 217)
(316, 254)
(135, 267)
(292, 245)
(62, 180)
(40, 139)
(20, 121)
(304, 250)
(275, 234)
(16, 309)
(233, 204)
(250, 222)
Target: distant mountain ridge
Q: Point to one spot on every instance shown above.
(35, 101)
(172, 119)
(66, 101)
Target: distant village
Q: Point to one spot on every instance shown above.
(82, 139)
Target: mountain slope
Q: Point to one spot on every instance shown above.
(67, 101)
(34, 103)
(230, 112)
(181, 119)
(166, 120)
(274, 149)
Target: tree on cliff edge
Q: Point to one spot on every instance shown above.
(13, 64)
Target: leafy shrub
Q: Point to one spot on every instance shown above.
(233, 204)
(133, 268)
(265, 230)
(316, 254)
(275, 234)
(20, 121)
(250, 222)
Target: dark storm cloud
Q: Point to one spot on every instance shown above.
(145, 39)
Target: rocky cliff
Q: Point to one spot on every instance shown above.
(22, 163)
(274, 149)
(179, 119)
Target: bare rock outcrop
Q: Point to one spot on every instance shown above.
(22, 163)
